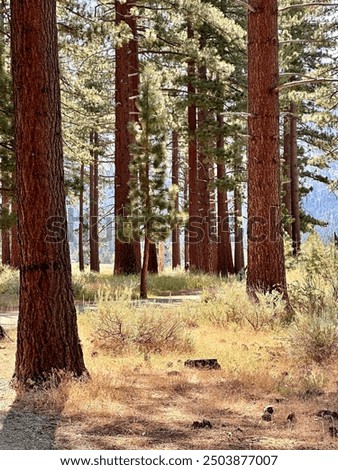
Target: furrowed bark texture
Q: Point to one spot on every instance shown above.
(266, 269)
(47, 329)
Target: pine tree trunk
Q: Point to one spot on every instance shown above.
(47, 336)
(152, 261)
(94, 205)
(81, 254)
(15, 248)
(175, 236)
(5, 239)
(266, 265)
(127, 253)
(144, 270)
(239, 246)
(203, 175)
(294, 181)
(287, 173)
(224, 256)
(186, 229)
(194, 235)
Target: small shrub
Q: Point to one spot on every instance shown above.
(9, 280)
(122, 327)
(230, 304)
(313, 338)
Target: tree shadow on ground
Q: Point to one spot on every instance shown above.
(28, 426)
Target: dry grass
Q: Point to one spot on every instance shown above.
(149, 401)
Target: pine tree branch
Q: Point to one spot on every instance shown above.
(313, 4)
(249, 7)
(305, 82)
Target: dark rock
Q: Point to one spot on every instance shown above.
(268, 409)
(291, 418)
(202, 364)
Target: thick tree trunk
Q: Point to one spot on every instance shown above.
(127, 252)
(175, 236)
(224, 252)
(266, 265)
(194, 232)
(81, 254)
(94, 258)
(287, 173)
(294, 181)
(5, 239)
(47, 338)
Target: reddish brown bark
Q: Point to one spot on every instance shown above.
(266, 265)
(94, 258)
(5, 239)
(175, 236)
(294, 181)
(193, 236)
(152, 261)
(287, 173)
(239, 246)
(81, 254)
(127, 253)
(47, 336)
(224, 252)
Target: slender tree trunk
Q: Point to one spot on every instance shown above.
(152, 260)
(224, 257)
(287, 173)
(175, 236)
(144, 270)
(5, 239)
(203, 174)
(239, 246)
(15, 247)
(266, 265)
(81, 254)
(186, 229)
(294, 181)
(47, 335)
(94, 205)
(194, 235)
(127, 252)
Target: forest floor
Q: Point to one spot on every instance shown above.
(141, 402)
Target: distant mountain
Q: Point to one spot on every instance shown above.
(323, 205)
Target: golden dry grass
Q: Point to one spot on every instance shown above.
(150, 401)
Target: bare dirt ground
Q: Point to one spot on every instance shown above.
(161, 408)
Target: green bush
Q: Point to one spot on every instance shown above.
(313, 338)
